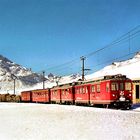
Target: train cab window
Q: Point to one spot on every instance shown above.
(98, 88)
(107, 87)
(68, 90)
(114, 86)
(121, 86)
(92, 88)
(127, 86)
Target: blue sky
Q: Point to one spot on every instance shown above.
(41, 34)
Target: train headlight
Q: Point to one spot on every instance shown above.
(130, 95)
(122, 99)
(113, 95)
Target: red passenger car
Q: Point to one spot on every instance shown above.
(55, 95)
(82, 94)
(26, 96)
(67, 94)
(41, 96)
(99, 92)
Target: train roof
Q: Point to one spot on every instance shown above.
(26, 91)
(35, 90)
(105, 78)
(94, 80)
(63, 86)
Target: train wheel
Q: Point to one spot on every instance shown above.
(128, 107)
(106, 106)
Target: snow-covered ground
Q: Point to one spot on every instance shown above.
(59, 122)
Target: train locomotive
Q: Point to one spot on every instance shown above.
(113, 91)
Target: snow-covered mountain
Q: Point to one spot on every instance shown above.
(28, 80)
(25, 78)
(129, 67)
(10, 70)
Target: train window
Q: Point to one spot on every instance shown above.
(121, 86)
(55, 92)
(98, 88)
(70, 91)
(81, 90)
(92, 88)
(127, 86)
(63, 92)
(67, 91)
(86, 90)
(77, 90)
(107, 87)
(114, 86)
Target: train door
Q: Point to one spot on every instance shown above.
(137, 92)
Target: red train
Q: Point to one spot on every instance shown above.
(26, 96)
(114, 91)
